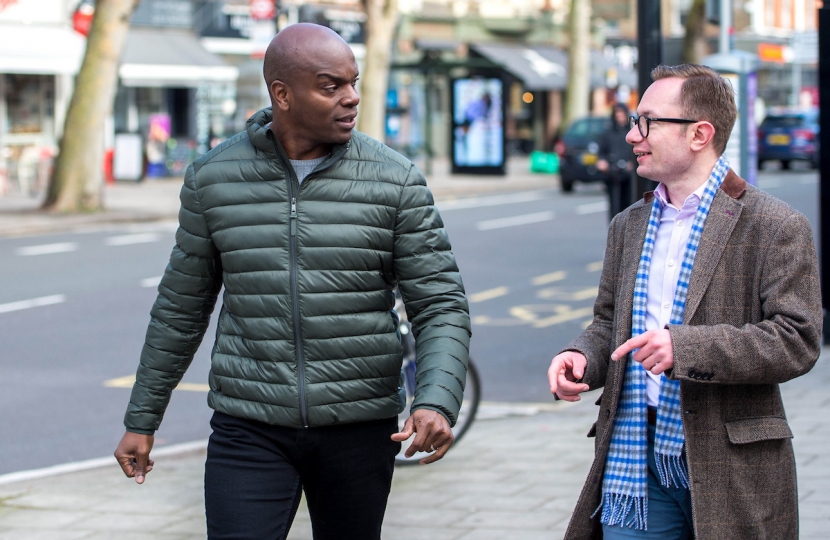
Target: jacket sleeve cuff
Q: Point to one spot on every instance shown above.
(142, 431)
(436, 409)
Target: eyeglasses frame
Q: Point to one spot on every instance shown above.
(635, 121)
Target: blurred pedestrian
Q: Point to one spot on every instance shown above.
(709, 299)
(616, 161)
(308, 225)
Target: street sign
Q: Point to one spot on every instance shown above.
(262, 10)
(805, 47)
(82, 18)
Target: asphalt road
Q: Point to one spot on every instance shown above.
(74, 309)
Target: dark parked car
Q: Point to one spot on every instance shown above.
(578, 148)
(789, 134)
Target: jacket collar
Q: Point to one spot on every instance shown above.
(261, 136)
(733, 185)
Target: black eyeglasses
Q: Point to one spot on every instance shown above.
(643, 122)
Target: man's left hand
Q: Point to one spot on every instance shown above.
(653, 349)
(432, 434)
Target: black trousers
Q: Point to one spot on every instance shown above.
(619, 188)
(255, 474)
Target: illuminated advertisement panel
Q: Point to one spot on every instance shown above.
(478, 125)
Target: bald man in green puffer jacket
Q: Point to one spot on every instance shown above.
(309, 226)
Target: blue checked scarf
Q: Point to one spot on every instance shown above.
(625, 484)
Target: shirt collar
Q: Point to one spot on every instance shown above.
(694, 199)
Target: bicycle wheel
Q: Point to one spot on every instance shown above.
(466, 416)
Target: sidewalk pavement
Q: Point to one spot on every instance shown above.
(158, 199)
(515, 476)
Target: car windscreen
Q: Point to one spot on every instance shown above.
(586, 127)
(772, 122)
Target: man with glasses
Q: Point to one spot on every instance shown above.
(709, 299)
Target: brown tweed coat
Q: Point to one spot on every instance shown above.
(752, 320)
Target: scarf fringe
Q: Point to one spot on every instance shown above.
(673, 470)
(616, 506)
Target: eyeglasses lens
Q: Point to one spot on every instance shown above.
(642, 124)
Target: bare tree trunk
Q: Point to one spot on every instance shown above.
(76, 182)
(579, 81)
(381, 20)
(694, 44)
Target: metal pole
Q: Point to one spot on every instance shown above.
(428, 124)
(824, 164)
(725, 26)
(649, 56)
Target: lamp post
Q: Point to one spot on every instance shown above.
(649, 56)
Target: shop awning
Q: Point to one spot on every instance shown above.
(543, 67)
(170, 58)
(40, 49)
(539, 67)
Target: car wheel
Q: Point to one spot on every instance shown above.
(567, 185)
(785, 164)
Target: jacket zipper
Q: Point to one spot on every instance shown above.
(295, 301)
(295, 295)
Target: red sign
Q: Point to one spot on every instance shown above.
(6, 3)
(262, 10)
(82, 19)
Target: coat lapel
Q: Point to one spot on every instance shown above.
(723, 216)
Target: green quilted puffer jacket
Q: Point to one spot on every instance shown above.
(306, 335)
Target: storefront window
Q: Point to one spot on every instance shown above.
(29, 103)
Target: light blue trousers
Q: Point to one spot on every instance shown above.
(669, 509)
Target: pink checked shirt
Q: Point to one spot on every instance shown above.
(669, 249)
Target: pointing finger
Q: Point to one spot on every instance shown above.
(628, 346)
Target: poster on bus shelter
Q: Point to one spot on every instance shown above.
(478, 125)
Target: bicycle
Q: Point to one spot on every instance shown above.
(469, 405)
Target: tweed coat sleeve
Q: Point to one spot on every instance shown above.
(597, 341)
(754, 308)
(431, 287)
(180, 315)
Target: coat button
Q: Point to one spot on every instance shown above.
(692, 373)
(710, 376)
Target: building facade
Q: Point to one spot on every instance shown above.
(40, 54)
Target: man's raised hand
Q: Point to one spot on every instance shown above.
(566, 369)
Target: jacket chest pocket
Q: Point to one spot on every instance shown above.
(762, 428)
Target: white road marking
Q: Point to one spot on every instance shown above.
(151, 282)
(592, 208)
(34, 302)
(488, 294)
(594, 266)
(46, 249)
(97, 463)
(561, 313)
(128, 239)
(487, 410)
(549, 278)
(514, 221)
(493, 200)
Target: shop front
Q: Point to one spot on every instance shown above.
(178, 98)
(39, 56)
